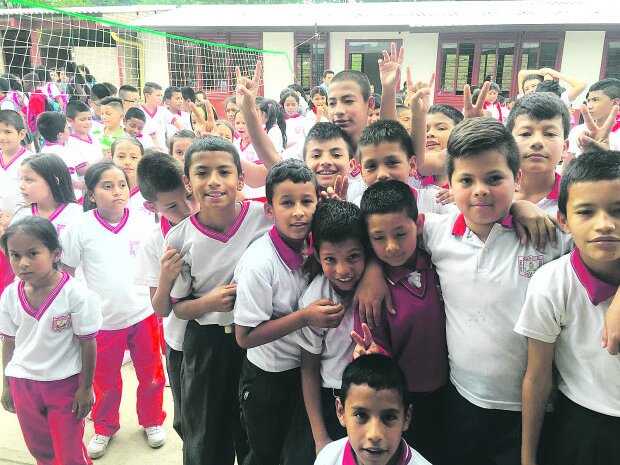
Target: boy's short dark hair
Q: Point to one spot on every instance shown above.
(13, 119)
(386, 131)
(593, 167)
(288, 170)
(400, 109)
(114, 102)
(475, 136)
(550, 86)
(609, 86)
(495, 86)
(188, 94)
(211, 144)
(5, 85)
(136, 113)
(171, 90)
(326, 72)
(126, 89)
(50, 124)
(390, 196)
(447, 110)
(323, 132)
(111, 87)
(358, 78)
(99, 91)
(158, 172)
(150, 87)
(377, 372)
(531, 77)
(337, 221)
(540, 106)
(75, 107)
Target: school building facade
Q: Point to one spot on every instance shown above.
(461, 41)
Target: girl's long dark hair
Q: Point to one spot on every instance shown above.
(92, 177)
(275, 115)
(54, 171)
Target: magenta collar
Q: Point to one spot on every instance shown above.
(598, 291)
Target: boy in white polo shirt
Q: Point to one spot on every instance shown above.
(211, 243)
(484, 272)
(157, 116)
(270, 280)
(562, 318)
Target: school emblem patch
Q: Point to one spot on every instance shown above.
(529, 264)
(61, 322)
(133, 248)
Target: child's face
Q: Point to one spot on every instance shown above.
(224, 132)
(131, 100)
(328, 159)
(231, 110)
(95, 106)
(154, 98)
(342, 263)
(599, 106)
(404, 118)
(291, 105)
(541, 143)
(393, 237)
(530, 86)
(375, 421)
(176, 205)
(214, 180)
(110, 116)
(32, 186)
(10, 138)
(200, 97)
(347, 108)
(292, 208)
(179, 148)
(134, 127)
(319, 100)
(240, 127)
(593, 219)
(483, 189)
(82, 123)
(54, 76)
(491, 96)
(111, 193)
(385, 161)
(126, 157)
(438, 129)
(373, 115)
(30, 259)
(175, 103)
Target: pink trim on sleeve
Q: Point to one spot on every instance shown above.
(86, 337)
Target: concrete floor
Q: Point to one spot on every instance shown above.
(128, 447)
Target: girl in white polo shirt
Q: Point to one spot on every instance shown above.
(105, 241)
(47, 191)
(48, 322)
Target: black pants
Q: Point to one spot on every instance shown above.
(578, 436)
(274, 416)
(174, 359)
(479, 436)
(425, 433)
(212, 430)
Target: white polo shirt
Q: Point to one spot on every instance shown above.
(248, 153)
(136, 205)
(69, 156)
(87, 151)
(335, 345)
(10, 194)
(156, 124)
(297, 128)
(276, 138)
(550, 203)
(108, 253)
(64, 215)
(211, 256)
(340, 453)
(566, 306)
(483, 286)
(47, 339)
(573, 136)
(270, 281)
(426, 200)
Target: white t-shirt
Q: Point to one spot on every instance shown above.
(186, 121)
(64, 215)
(71, 158)
(10, 194)
(270, 281)
(483, 286)
(573, 136)
(108, 253)
(47, 346)
(550, 202)
(248, 153)
(211, 256)
(335, 345)
(87, 152)
(156, 124)
(566, 306)
(297, 128)
(136, 205)
(339, 453)
(147, 274)
(276, 138)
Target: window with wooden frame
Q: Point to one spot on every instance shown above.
(610, 65)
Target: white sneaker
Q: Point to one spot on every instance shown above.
(156, 436)
(97, 446)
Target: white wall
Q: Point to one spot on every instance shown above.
(101, 61)
(277, 72)
(155, 59)
(582, 56)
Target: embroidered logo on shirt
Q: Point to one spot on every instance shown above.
(133, 248)
(529, 264)
(415, 279)
(61, 322)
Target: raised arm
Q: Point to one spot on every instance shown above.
(420, 103)
(389, 73)
(577, 86)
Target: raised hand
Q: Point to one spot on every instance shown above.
(420, 93)
(247, 88)
(469, 109)
(364, 344)
(339, 191)
(596, 137)
(390, 66)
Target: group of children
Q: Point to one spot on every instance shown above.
(276, 256)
